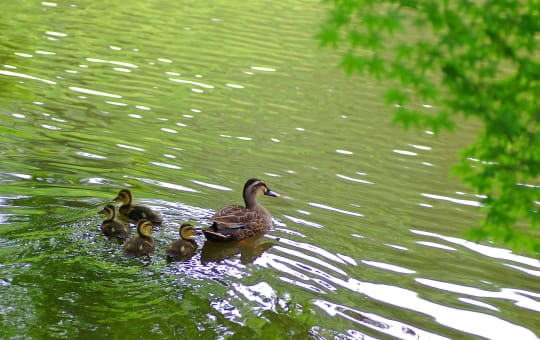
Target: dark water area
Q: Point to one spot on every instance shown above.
(181, 102)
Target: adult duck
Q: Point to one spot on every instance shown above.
(143, 245)
(111, 227)
(135, 213)
(184, 248)
(235, 222)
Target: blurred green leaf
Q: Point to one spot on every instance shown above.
(467, 58)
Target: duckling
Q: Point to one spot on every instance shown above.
(112, 227)
(142, 245)
(183, 249)
(234, 222)
(135, 213)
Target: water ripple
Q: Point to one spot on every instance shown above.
(494, 252)
(26, 76)
(375, 322)
(341, 211)
(504, 293)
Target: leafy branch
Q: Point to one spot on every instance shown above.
(475, 59)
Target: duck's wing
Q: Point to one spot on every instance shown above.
(139, 212)
(234, 216)
(181, 250)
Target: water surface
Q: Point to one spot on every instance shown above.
(182, 102)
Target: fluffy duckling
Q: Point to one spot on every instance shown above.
(135, 213)
(235, 222)
(111, 227)
(144, 243)
(184, 248)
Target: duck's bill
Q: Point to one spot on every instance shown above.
(271, 193)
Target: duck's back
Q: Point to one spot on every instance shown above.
(139, 212)
(115, 229)
(181, 250)
(139, 246)
(237, 214)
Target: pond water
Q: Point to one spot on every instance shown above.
(182, 101)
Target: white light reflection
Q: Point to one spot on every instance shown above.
(165, 165)
(436, 245)
(264, 69)
(94, 92)
(312, 248)
(406, 153)
(494, 252)
(212, 186)
(515, 295)
(119, 63)
(235, 86)
(463, 320)
(299, 254)
(353, 179)
(390, 267)
(115, 103)
(22, 176)
(89, 155)
(51, 127)
(341, 211)
(375, 322)
(396, 246)
(166, 184)
(420, 147)
(470, 322)
(347, 259)
(56, 34)
(123, 146)
(525, 270)
(302, 285)
(26, 76)
(454, 200)
(261, 293)
(45, 52)
(304, 222)
(206, 86)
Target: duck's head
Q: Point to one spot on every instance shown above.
(109, 211)
(253, 188)
(124, 196)
(187, 231)
(144, 228)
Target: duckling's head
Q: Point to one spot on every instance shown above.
(144, 228)
(187, 231)
(124, 196)
(109, 211)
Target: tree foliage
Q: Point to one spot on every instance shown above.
(472, 58)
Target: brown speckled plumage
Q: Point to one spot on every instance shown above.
(235, 222)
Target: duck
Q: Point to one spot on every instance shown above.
(236, 222)
(143, 245)
(184, 248)
(111, 227)
(135, 213)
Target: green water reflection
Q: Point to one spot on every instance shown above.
(182, 102)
